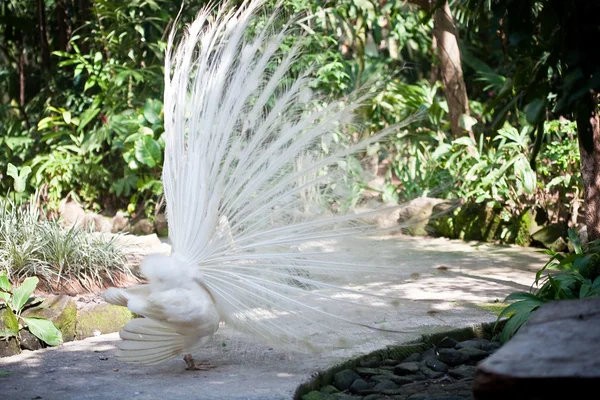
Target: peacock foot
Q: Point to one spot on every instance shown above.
(192, 365)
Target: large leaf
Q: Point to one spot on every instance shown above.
(44, 330)
(5, 283)
(147, 151)
(23, 292)
(11, 323)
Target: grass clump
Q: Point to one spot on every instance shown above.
(32, 246)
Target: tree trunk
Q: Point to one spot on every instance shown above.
(43, 30)
(455, 90)
(62, 25)
(588, 131)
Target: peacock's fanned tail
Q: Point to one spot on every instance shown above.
(255, 178)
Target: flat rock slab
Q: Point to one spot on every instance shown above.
(555, 355)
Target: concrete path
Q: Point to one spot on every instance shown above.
(441, 284)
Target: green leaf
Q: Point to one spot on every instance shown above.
(5, 283)
(20, 178)
(534, 111)
(67, 116)
(44, 330)
(11, 323)
(147, 151)
(23, 292)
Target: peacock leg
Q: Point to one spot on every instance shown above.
(192, 365)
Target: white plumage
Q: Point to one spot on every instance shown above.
(254, 178)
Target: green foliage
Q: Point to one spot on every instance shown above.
(15, 301)
(33, 247)
(565, 276)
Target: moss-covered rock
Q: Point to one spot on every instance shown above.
(102, 318)
(552, 236)
(10, 346)
(61, 310)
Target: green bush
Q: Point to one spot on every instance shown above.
(565, 276)
(30, 246)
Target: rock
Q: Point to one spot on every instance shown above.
(29, 341)
(556, 355)
(344, 396)
(143, 227)
(97, 223)
(491, 346)
(343, 380)
(414, 217)
(471, 344)
(474, 354)
(452, 357)
(161, 226)
(103, 318)
(431, 374)
(372, 371)
(413, 357)
(429, 354)
(61, 310)
(406, 368)
(316, 395)
(120, 223)
(358, 385)
(462, 372)
(385, 385)
(371, 362)
(71, 213)
(329, 389)
(436, 365)
(9, 347)
(447, 343)
(552, 236)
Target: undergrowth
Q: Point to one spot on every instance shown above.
(32, 246)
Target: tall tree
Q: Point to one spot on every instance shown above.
(446, 40)
(555, 72)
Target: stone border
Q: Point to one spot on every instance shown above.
(396, 352)
(75, 320)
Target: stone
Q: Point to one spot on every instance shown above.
(429, 354)
(71, 213)
(358, 385)
(552, 236)
(329, 389)
(462, 372)
(9, 347)
(431, 374)
(474, 354)
(406, 368)
(447, 343)
(471, 344)
(161, 226)
(143, 227)
(555, 355)
(102, 318)
(343, 379)
(61, 310)
(385, 385)
(371, 362)
(414, 217)
(452, 357)
(29, 341)
(120, 223)
(372, 371)
(316, 395)
(436, 365)
(413, 357)
(97, 223)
